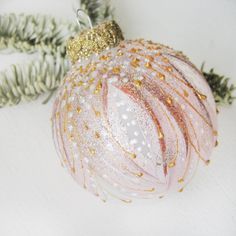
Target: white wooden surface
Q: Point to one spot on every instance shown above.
(37, 197)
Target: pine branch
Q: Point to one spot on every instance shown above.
(28, 33)
(46, 36)
(222, 90)
(97, 10)
(28, 82)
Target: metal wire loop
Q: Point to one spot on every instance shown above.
(80, 14)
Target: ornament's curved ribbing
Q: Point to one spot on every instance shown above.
(134, 121)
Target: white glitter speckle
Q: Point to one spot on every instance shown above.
(133, 141)
(124, 116)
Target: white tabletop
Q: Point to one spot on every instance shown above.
(37, 196)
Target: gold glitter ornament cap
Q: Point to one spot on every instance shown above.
(95, 40)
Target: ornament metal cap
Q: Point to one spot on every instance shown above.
(94, 40)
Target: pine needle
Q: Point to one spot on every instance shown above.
(222, 90)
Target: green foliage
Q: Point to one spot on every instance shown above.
(47, 37)
(222, 90)
(97, 10)
(29, 33)
(26, 83)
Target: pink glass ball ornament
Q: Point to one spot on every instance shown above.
(134, 121)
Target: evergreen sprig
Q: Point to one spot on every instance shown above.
(26, 83)
(47, 37)
(220, 86)
(29, 33)
(97, 10)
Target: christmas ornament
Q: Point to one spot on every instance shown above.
(133, 118)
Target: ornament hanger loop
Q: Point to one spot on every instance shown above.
(80, 14)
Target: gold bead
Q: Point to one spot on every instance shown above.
(133, 50)
(201, 96)
(81, 69)
(171, 164)
(160, 135)
(80, 83)
(138, 83)
(104, 58)
(92, 151)
(164, 59)
(150, 190)
(158, 54)
(104, 70)
(133, 155)
(97, 113)
(78, 110)
(91, 81)
(181, 190)
(135, 62)
(161, 76)
(140, 174)
(97, 135)
(120, 54)
(186, 93)
(148, 65)
(71, 137)
(98, 88)
(116, 70)
(169, 101)
(69, 107)
(126, 200)
(169, 69)
(150, 58)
